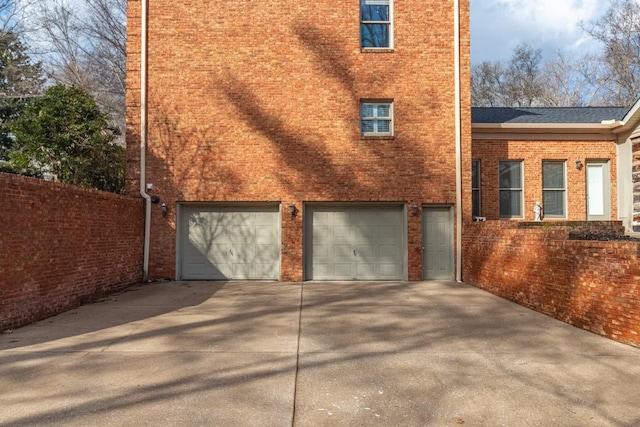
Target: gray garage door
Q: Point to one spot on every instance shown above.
(222, 243)
(355, 243)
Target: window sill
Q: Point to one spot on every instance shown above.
(376, 50)
(377, 137)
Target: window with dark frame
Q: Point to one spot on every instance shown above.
(376, 31)
(554, 188)
(510, 176)
(476, 183)
(376, 118)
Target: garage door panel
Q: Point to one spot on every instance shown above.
(389, 271)
(366, 233)
(351, 243)
(229, 243)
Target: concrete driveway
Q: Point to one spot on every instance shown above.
(313, 354)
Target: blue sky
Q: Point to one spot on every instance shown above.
(497, 26)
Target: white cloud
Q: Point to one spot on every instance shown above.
(497, 26)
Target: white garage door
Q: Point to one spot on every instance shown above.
(224, 243)
(355, 243)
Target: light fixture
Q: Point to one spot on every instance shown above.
(165, 209)
(293, 210)
(579, 164)
(414, 210)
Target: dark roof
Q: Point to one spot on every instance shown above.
(546, 115)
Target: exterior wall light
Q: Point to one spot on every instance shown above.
(293, 210)
(414, 210)
(579, 164)
(165, 209)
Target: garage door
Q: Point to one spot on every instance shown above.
(355, 243)
(223, 243)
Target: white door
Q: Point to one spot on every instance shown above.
(225, 243)
(598, 191)
(354, 243)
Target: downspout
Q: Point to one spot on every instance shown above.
(143, 139)
(458, 133)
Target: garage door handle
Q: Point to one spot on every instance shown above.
(354, 252)
(231, 251)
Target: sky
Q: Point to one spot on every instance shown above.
(497, 26)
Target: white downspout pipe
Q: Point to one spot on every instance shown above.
(458, 133)
(143, 139)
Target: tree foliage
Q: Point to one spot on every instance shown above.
(19, 80)
(64, 133)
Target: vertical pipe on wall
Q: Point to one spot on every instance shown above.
(458, 131)
(143, 137)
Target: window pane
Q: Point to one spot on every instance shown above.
(374, 35)
(383, 126)
(374, 10)
(476, 203)
(367, 110)
(383, 110)
(510, 175)
(510, 203)
(475, 174)
(553, 174)
(368, 126)
(553, 203)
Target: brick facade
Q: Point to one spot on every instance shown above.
(533, 152)
(249, 103)
(594, 285)
(63, 246)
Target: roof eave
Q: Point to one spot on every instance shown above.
(545, 127)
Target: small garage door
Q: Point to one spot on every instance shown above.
(355, 243)
(223, 243)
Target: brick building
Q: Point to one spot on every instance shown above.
(324, 140)
(579, 163)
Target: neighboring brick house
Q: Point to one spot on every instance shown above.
(288, 140)
(577, 162)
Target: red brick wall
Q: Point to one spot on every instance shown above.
(533, 152)
(257, 102)
(63, 246)
(594, 285)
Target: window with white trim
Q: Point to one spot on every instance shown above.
(376, 29)
(510, 189)
(475, 188)
(376, 118)
(554, 189)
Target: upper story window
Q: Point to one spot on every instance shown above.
(510, 189)
(376, 29)
(553, 189)
(376, 118)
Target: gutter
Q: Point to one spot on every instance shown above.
(143, 138)
(458, 132)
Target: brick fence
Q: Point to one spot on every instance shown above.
(62, 246)
(592, 284)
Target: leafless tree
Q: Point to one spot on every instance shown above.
(83, 43)
(571, 82)
(619, 32)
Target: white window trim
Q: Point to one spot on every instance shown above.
(564, 189)
(389, 22)
(521, 189)
(390, 119)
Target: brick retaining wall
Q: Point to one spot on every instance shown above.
(62, 246)
(594, 285)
